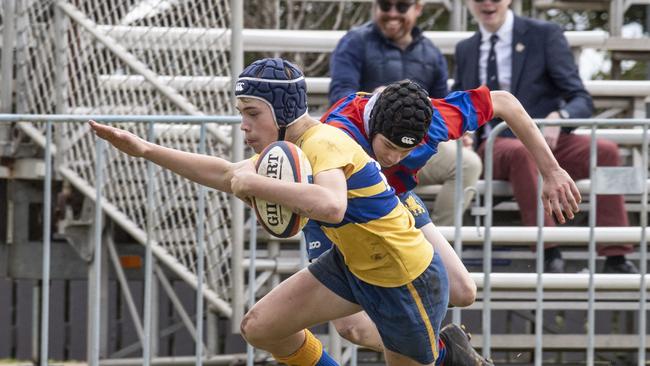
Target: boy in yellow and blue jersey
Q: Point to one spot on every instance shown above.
(384, 266)
(380, 258)
(381, 263)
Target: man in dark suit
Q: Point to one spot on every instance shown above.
(532, 59)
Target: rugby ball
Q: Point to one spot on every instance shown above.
(285, 161)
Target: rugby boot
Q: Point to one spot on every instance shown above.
(459, 351)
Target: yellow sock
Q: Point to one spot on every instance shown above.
(307, 355)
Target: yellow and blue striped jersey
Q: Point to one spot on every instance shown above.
(377, 236)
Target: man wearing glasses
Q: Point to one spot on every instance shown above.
(387, 49)
(532, 60)
(391, 48)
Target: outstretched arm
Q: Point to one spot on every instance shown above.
(559, 190)
(206, 170)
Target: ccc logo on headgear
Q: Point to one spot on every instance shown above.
(239, 86)
(408, 140)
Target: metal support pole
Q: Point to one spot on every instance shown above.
(463, 24)
(487, 249)
(60, 61)
(456, 16)
(591, 312)
(22, 56)
(273, 248)
(177, 304)
(643, 262)
(7, 65)
(458, 211)
(252, 250)
(303, 250)
(36, 320)
(212, 332)
(539, 265)
(616, 11)
(278, 20)
(335, 346)
(200, 257)
(124, 285)
(647, 26)
(148, 263)
(95, 293)
(47, 218)
(237, 65)
(60, 75)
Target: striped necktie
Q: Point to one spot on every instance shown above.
(492, 78)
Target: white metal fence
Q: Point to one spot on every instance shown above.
(106, 172)
(64, 51)
(185, 226)
(79, 38)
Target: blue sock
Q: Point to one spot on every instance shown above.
(442, 352)
(326, 360)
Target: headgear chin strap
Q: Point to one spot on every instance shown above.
(278, 83)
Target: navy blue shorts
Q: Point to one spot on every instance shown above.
(318, 243)
(408, 317)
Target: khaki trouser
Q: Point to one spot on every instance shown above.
(441, 169)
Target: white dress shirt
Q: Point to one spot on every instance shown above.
(503, 49)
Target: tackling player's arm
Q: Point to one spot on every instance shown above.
(325, 200)
(559, 189)
(207, 170)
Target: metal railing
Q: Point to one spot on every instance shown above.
(486, 281)
(487, 252)
(94, 190)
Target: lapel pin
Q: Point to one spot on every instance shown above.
(519, 47)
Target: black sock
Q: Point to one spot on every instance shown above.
(552, 253)
(615, 260)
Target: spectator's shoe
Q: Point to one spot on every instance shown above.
(459, 351)
(626, 267)
(553, 265)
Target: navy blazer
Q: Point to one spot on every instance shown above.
(545, 77)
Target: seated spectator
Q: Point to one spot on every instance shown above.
(532, 59)
(391, 48)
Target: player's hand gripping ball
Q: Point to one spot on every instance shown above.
(285, 161)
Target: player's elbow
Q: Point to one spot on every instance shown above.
(503, 102)
(464, 293)
(333, 212)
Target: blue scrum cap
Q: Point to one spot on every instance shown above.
(278, 83)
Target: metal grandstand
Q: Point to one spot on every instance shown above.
(90, 52)
(177, 57)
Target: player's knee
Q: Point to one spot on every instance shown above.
(348, 331)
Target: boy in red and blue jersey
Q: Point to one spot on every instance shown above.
(402, 146)
(453, 115)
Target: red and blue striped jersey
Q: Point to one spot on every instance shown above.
(453, 115)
